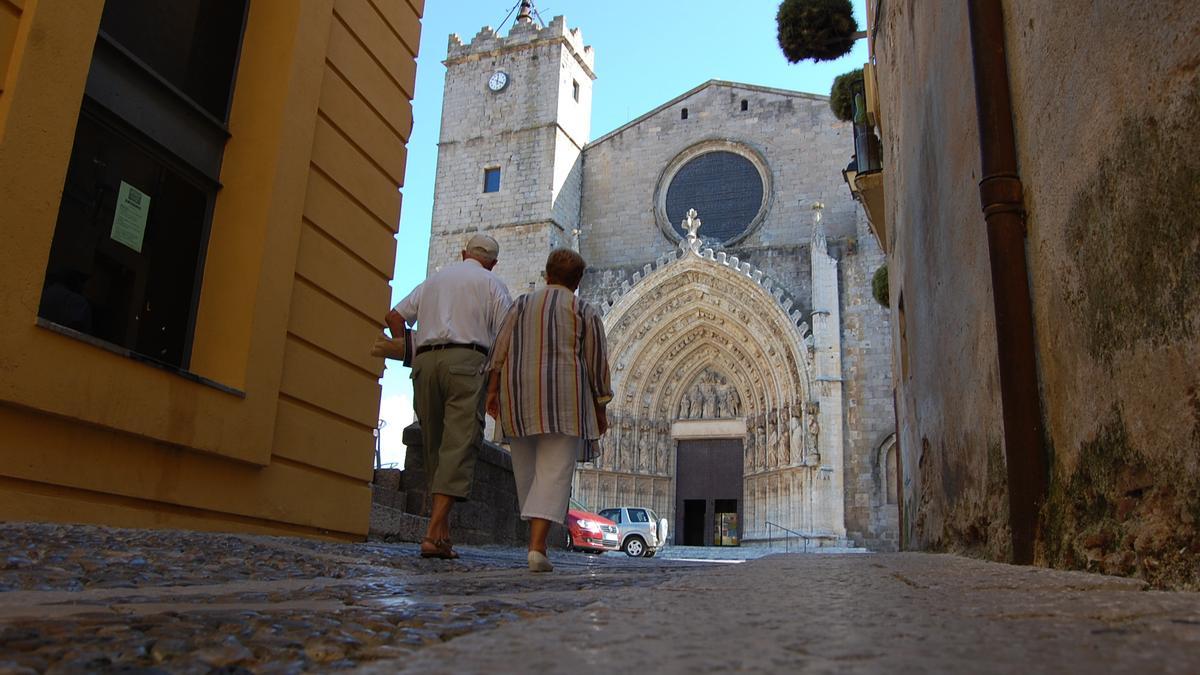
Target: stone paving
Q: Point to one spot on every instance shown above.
(76, 599)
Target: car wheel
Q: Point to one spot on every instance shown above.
(634, 547)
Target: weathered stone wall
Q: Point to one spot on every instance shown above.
(803, 145)
(1106, 143)
(869, 419)
(948, 396)
(1113, 185)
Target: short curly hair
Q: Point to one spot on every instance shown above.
(565, 266)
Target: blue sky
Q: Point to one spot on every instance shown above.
(646, 54)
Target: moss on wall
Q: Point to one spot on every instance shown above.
(963, 507)
(1137, 226)
(1118, 513)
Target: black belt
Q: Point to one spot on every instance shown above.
(452, 345)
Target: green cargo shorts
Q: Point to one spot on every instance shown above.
(448, 388)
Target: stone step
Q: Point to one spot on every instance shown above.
(392, 524)
(817, 546)
(389, 479)
(391, 498)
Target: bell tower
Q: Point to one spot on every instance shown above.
(516, 113)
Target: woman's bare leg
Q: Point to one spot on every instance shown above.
(538, 529)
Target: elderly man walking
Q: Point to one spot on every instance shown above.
(457, 312)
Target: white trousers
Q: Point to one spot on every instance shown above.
(543, 466)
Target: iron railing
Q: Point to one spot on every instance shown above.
(788, 535)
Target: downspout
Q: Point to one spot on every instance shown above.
(1003, 206)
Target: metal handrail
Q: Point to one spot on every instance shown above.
(787, 541)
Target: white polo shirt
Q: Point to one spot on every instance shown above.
(462, 303)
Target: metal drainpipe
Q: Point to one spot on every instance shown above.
(1003, 206)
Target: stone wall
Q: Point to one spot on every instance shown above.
(1106, 149)
(871, 520)
(948, 395)
(1114, 241)
(803, 145)
(533, 131)
(489, 516)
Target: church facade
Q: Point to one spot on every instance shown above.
(751, 364)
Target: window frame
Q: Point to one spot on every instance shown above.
(128, 99)
(489, 171)
(615, 512)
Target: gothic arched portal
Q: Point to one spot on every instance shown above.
(703, 339)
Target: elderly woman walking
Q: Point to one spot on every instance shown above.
(548, 387)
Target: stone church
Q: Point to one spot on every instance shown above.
(751, 364)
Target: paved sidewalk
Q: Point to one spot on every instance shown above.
(85, 599)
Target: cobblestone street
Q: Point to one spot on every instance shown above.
(85, 599)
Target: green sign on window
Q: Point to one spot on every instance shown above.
(129, 222)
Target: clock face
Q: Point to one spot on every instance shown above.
(498, 80)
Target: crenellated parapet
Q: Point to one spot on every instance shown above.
(523, 34)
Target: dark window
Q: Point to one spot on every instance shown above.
(745, 104)
(683, 114)
(191, 44)
(575, 90)
(128, 249)
(638, 516)
(491, 180)
(612, 514)
(724, 187)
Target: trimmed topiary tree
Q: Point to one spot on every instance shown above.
(879, 286)
(821, 30)
(841, 96)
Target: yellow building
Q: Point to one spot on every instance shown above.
(198, 201)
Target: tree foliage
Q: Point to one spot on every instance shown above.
(879, 286)
(821, 30)
(841, 96)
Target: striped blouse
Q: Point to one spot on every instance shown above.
(553, 361)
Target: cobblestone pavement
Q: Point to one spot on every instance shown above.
(87, 599)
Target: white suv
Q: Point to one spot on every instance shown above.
(642, 532)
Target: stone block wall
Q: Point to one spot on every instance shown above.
(803, 145)
(533, 131)
(869, 416)
(489, 516)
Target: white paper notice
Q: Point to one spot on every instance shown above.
(129, 222)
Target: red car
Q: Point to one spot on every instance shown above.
(590, 532)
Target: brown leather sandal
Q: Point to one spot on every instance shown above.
(442, 549)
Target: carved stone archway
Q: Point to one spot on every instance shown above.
(705, 324)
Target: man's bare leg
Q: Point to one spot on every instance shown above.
(439, 521)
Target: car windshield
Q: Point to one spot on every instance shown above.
(579, 507)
